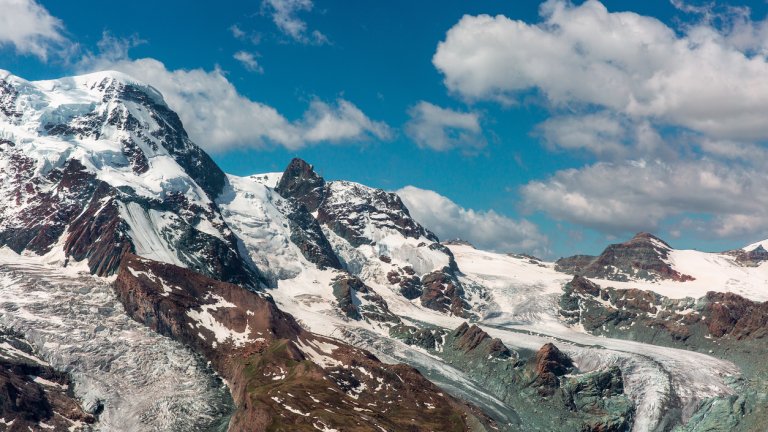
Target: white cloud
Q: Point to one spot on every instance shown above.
(219, 118)
(603, 134)
(727, 200)
(624, 62)
(441, 129)
(236, 31)
(323, 122)
(248, 60)
(484, 229)
(30, 29)
(240, 34)
(284, 15)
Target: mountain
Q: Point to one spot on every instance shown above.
(98, 166)
(164, 294)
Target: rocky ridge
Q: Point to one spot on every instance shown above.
(643, 257)
(280, 374)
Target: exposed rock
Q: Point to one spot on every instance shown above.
(34, 396)
(752, 258)
(282, 377)
(443, 292)
(600, 392)
(642, 257)
(359, 301)
(308, 236)
(732, 315)
(469, 338)
(427, 338)
(301, 183)
(549, 364)
(409, 285)
(457, 242)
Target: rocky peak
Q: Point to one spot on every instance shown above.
(750, 258)
(645, 256)
(301, 183)
(548, 366)
(549, 359)
(471, 338)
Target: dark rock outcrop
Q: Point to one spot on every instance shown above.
(33, 395)
(308, 236)
(752, 258)
(359, 301)
(642, 257)
(301, 183)
(442, 292)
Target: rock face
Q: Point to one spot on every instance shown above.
(34, 396)
(718, 315)
(301, 183)
(282, 377)
(359, 301)
(731, 315)
(375, 223)
(752, 258)
(643, 257)
(308, 236)
(442, 292)
(550, 364)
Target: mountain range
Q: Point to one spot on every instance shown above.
(142, 288)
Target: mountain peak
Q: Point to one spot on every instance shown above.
(300, 182)
(645, 237)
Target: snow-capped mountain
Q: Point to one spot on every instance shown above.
(171, 296)
(96, 166)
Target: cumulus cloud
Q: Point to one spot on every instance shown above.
(219, 118)
(640, 195)
(248, 60)
(672, 117)
(431, 126)
(620, 61)
(603, 134)
(323, 122)
(30, 29)
(484, 229)
(284, 14)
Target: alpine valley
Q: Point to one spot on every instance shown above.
(143, 289)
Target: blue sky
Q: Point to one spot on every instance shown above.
(521, 130)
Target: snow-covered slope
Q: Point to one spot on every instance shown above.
(646, 262)
(98, 165)
(523, 313)
(718, 272)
